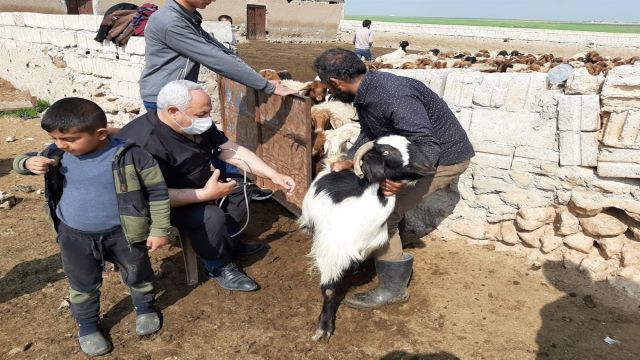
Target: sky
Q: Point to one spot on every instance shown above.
(558, 10)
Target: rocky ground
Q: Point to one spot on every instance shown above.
(467, 301)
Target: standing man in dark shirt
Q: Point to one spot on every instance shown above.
(394, 105)
(181, 137)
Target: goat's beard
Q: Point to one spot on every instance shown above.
(343, 96)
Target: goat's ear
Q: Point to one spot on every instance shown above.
(305, 90)
(373, 167)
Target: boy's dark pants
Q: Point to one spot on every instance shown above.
(83, 257)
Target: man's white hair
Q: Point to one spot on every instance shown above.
(176, 93)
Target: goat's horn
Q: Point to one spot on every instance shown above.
(357, 158)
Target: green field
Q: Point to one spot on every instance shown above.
(529, 24)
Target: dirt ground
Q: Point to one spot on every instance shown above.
(9, 93)
(467, 301)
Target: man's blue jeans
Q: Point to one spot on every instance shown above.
(364, 53)
(150, 105)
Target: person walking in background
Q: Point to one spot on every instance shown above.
(234, 41)
(363, 40)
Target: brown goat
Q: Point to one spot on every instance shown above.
(269, 74)
(462, 64)
(316, 90)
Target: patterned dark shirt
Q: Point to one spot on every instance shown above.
(395, 105)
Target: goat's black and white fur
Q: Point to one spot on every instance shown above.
(346, 212)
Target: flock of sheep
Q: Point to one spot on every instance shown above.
(502, 61)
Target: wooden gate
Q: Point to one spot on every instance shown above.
(79, 6)
(256, 22)
(277, 129)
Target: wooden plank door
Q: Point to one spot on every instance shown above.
(277, 129)
(79, 6)
(256, 22)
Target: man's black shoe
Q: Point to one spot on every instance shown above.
(248, 248)
(230, 278)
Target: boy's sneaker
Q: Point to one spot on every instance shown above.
(95, 344)
(147, 324)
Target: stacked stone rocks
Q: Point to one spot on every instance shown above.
(556, 171)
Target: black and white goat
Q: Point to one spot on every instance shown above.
(346, 213)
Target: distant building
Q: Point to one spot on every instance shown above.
(308, 19)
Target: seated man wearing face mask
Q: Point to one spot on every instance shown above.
(181, 137)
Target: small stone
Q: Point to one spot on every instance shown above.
(534, 218)
(10, 139)
(20, 349)
(595, 267)
(23, 188)
(469, 229)
(509, 233)
(634, 227)
(532, 238)
(40, 192)
(579, 242)
(572, 259)
(64, 304)
(588, 302)
(627, 280)
(612, 246)
(586, 203)
(631, 254)
(550, 241)
(569, 223)
(603, 225)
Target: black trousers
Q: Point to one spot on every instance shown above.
(83, 257)
(210, 226)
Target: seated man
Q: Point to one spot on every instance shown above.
(181, 137)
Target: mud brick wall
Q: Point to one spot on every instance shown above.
(556, 172)
(55, 56)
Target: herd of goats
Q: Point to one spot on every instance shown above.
(340, 241)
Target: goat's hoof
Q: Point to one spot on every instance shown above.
(321, 334)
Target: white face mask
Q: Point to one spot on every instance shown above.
(198, 125)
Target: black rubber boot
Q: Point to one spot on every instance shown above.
(393, 278)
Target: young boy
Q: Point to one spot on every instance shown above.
(107, 201)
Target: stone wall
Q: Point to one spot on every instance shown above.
(299, 20)
(55, 56)
(556, 172)
(385, 31)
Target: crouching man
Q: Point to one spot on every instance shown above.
(181, 137)
(393, 105)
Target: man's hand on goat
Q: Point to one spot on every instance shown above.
(281, 89)
(390, 188)
(39, 164)
(284, 181)
(341, 165)
(213, 189)
(156, 242)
